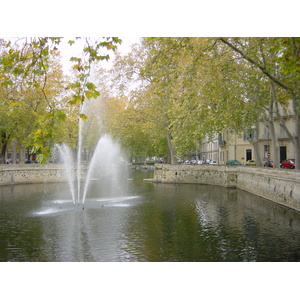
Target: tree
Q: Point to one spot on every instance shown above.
(28, 61)
(278, 59)
(185, 88)
(137, 125)
(32, 109)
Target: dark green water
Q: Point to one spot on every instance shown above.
(153, 222)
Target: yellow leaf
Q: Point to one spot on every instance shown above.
(39, 132)
(35, 113)
(83, 117)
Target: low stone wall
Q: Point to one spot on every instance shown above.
(203, 174)
(280, 186)
(32, 174)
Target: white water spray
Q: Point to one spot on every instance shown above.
(104, 167)
(69, 166)
(79, 158)
(105, 160)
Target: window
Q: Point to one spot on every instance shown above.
(248, 135)
(266, 132)
(282, 133)
(266, 150)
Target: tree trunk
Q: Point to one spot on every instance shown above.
(22, 155)
(296, 142)
(172, 154)
(4, 143)
(3, 152)
(274, 139)
(275, 145)
(293, 137)
(14, 152)
(255, 143)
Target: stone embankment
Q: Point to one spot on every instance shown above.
(280, 186)
(21, 174)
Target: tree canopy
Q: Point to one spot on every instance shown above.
(159, 99)
(191, 87)
(33, 88)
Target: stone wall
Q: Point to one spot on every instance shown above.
(32, 174)
(204, 174)
(280, 186)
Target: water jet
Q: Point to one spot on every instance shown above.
(105, 169)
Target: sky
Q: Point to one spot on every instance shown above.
(158, 18)
(68, 51)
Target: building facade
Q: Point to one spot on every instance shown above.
(229, 145)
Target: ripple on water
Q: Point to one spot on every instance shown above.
(61, 206)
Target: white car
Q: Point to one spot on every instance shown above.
(213, 162)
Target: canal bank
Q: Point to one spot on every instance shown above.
(33, 173)
(277, 185)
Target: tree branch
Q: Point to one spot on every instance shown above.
(263, 69)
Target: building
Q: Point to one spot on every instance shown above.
(209, 149)
(229, 145)
(235, 146)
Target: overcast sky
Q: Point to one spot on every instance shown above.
(68, 51)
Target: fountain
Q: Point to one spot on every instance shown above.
(69, 165)
(106, 166)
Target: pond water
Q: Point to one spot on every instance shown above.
(152, 222)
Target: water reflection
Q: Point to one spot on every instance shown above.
(153, 222)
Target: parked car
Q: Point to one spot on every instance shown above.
(288, 163)
(213, 162)
(269, 163)
(233, 162)
(31, 162)
(251, 163)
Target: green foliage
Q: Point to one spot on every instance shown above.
(28, 67)
(171, 92)
(189, 87)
